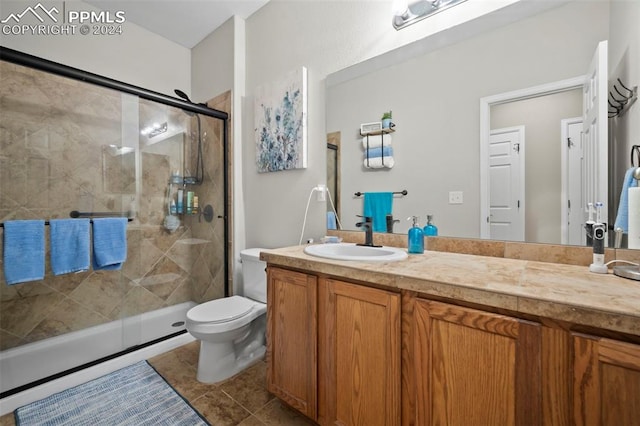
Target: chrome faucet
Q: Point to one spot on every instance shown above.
(368, 231)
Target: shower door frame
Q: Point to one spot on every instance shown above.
(24, 59)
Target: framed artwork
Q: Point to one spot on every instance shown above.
(281, 123)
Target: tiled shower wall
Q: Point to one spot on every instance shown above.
(55, 156)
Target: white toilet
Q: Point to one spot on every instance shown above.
(231, 330)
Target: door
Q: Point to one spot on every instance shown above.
(292, 339)
(572, 166)
(475, 367)
(361, 383)
(506, 184)
(606, 386)
(595, 133)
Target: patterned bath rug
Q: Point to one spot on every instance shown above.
(135, 395)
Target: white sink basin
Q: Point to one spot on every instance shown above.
(348, 251)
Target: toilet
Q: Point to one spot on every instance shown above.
(231, 330)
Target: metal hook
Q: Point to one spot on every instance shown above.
(622, 102)
(635, 149)
(625, 87)
(624, 96)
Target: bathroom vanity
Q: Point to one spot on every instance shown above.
(448, 338)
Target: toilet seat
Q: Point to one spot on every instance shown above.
(221, 310)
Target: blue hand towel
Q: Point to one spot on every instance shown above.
(378, 205)
(387, 151)
(69, 245)
(109, 243)
(23, 251)
(622, 219)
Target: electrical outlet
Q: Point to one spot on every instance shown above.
(455, 197)
(321, 194)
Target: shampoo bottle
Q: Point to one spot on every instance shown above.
(416, 237)
(430, 230)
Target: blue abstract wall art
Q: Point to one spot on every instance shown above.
(281, 123)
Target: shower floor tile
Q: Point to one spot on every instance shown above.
(242, 400)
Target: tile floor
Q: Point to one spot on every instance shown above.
(241, 400)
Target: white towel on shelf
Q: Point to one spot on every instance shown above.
(376, 163)
(375, 141)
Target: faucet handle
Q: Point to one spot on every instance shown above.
(367, 219)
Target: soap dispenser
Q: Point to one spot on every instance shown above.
(416, 237)
(430, 230)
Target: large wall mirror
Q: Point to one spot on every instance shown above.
(435, 98)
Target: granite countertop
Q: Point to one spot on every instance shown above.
(555, 291)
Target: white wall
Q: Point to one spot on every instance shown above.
(212, 63)
(324, 36)
(137, 56)
(624, 63)
(218, 65)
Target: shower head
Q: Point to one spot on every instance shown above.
(183, 95)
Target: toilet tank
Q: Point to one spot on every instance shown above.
(254, 274)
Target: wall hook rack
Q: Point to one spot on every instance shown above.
(620, 102)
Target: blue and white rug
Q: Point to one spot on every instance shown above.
(135, 395)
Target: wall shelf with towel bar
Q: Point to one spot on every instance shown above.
(377, 149)
(403, 192)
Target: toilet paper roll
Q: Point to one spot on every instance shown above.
(634, 218)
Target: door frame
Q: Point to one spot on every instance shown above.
(485, 129)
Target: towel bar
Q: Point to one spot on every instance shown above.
(403, 192)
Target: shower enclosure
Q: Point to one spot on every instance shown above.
(72, 141)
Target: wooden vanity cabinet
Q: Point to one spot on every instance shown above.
(333, 349)
(359, 354)
(292, 339)
(345, 353)
(606, 385)
(468, 366)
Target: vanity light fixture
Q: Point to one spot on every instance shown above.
(407, 12)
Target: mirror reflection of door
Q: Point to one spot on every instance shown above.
(541, 201)
(545, 197)
(506, 183)
(333, 172)
(572, 191)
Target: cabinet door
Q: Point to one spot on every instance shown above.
(361, 337)
(474, 367)
(292, 339)
(606, 386)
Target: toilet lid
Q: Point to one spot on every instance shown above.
(221, 310)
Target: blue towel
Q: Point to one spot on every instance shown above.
(387, 151)
(23, 251)
(69, 245)
(331, 220)
(109, 243)
(378, 205)
(622, 219)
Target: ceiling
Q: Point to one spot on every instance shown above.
(185, 22)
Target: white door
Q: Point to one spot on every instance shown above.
(506, 184)
(595, 133)
(572, 202)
